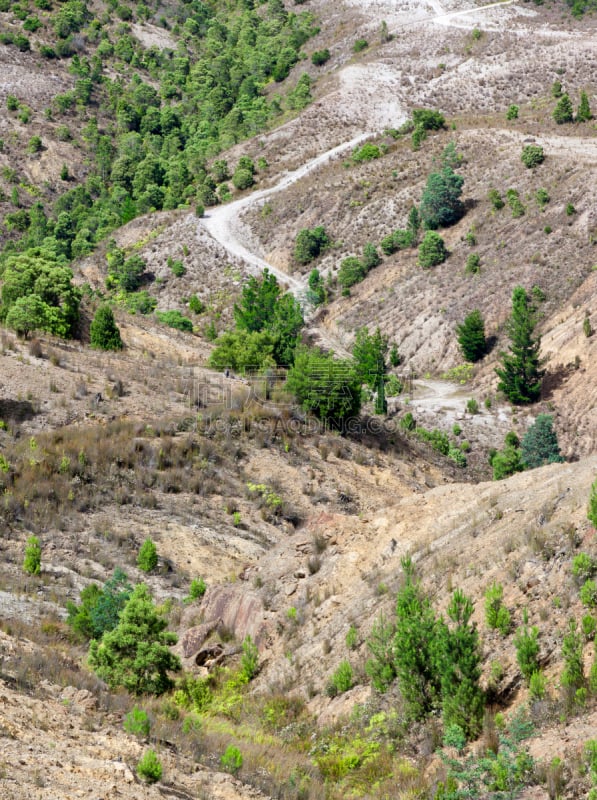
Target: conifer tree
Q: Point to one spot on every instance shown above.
(521, 375)
(471, 336)
(104, 332)
(583, 113)
(540, 443)
(563, 112)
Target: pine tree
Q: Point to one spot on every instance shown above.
(369, 352)
(521, 375)
(471, 336)
(563, 112)
(136, 654)
(462, 697)
(440, 204)
(32, 560)
(583, 113)
(104, 332)
(416, 658)
(540, 443)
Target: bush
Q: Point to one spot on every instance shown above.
(137, 723)
(360, 45)
(149, 767)
(592, 507)
(147, 560)
(35, 144)
(197, 589)
(368, 152)
(104, 332)
(440, 202)
(310, 244)
(177, 267)
(232, 760)
(473, 264)
(588, 594)
(320, 57)
(471, 336)
(175, 319)
(428, 119)
(532, 155)
(512, 112)
(432, 250)
(584, 567)
(540, 443)
(136, 654)
(563, 112)
(250, 658)
(32, 560)
(497, 616)
(342, 679)
(495, 198)
(242, 178)
(352, 270)
(527, 649)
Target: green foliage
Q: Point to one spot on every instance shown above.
(137, 723)
(352, 638)
(540, 443)
(35, 144)
(316, 294)
(380, 667)
(584, 567)
(436, 438)
(342, 679)
(100, 608)
(527, 649)
(140, 303)
(440, 203)
(563, 112)
(263, 310)
(542, 197)
(455, 737)
(497, 615)
(371, 257)
(583, 113)
(515, 203)
(325, 386)
(432, 250)
(506, 462)
(471, 336)
(369, 352)
(521, 375)
(125, 273)
(104, 332)
(175, 319)
(136, 653)
(367, 152)
(310, 244)
(407, 423)
(196, 305)
(243, 352)
(147, 559)
(428, 119)
(588, 594)
(250, 658)
(149, 767)
(360, 45)
(537, 685)
(232, 759)
(352, 270)
(532, 155)
(319, 57)
(242, 178)
(300, 96)
(32, 559)
(197, 589)
(177, 267)
(592, 506)
(473, 264)
(573, 676)
(495, 198)
(512, 112)
(41, 288)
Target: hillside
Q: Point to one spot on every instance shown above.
(167, 153)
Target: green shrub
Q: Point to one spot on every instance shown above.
(512, 112)
(408, 423)
(584, 567)
(310, 244)
(455, 737)
(360, 45)
(232, 760)
(352, 270)
(104, 332)
(196, 305)
(177, 267)
(472, 406)
(175, 319)
(352, 638)
(497, 615)
(428, 119)
(147, 560)
(570, 210)
(367, 152)
(137, 723)
(532, 155)
(140, 303)
(149, 767)
(342, 679)
(473, 264)
(250, 658)
(537, 685)
(242, 178)
(197, 589)
(592, 507)
(527, 649)
(588, 625)
(441, 205)
(432, 250)
(35, 144)
(588, 594)
(542, 197)
(32, 560)
(456, 455)
(515, 203)
(573, 676)
(320, 57)
(540, 443)
(495, 198)
(12, 102)
(563, 112)
(471, 337)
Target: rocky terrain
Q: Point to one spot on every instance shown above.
(300, 533)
